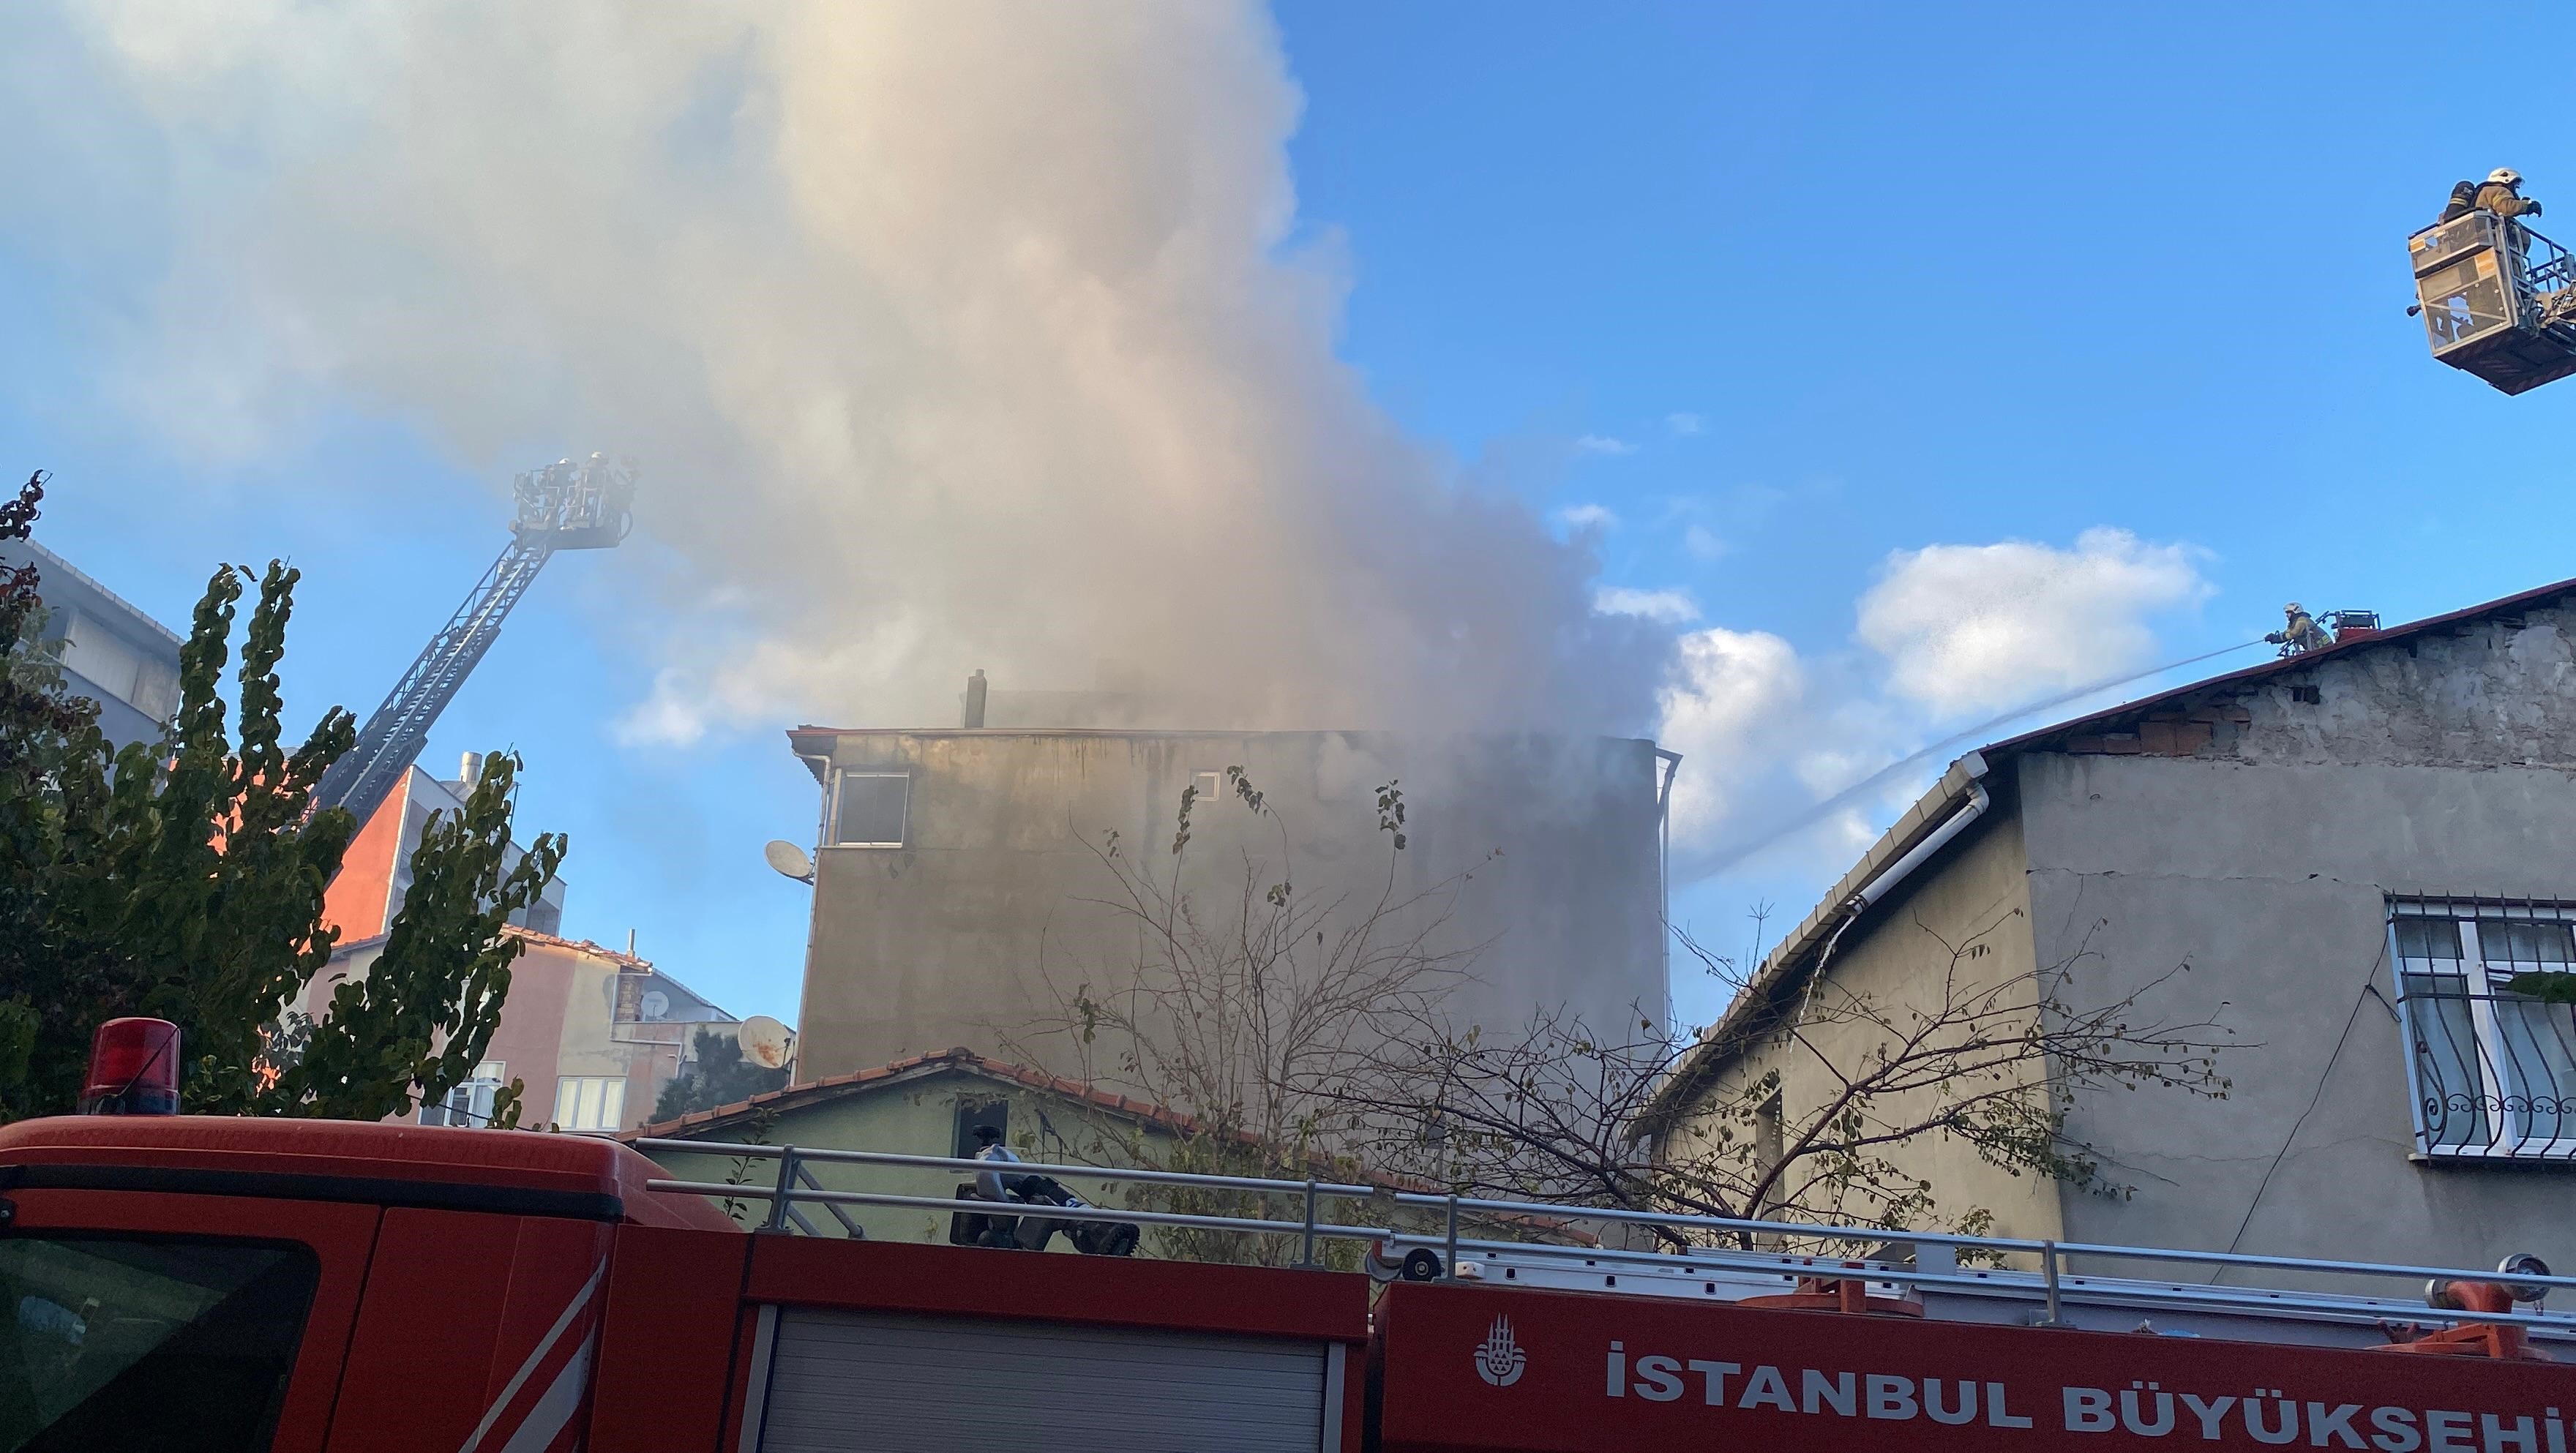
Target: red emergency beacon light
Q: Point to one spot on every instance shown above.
(133, 1069)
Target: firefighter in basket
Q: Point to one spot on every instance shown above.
(2502, 195)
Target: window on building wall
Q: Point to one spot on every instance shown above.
(869, 809)
(469, 1104)
(1211, 786)
(590, 1102)
(972, 1113)
(2493, 1071)
(102, 656)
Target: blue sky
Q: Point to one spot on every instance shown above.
(1767, 292)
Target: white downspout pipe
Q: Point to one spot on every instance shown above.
(1933, 842)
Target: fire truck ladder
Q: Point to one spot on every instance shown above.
(565, 506)
(1988, 1279)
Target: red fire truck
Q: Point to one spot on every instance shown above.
(223, 1286)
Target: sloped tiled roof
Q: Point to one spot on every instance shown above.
(578, 945)
(916, 1067)
(921, 1066)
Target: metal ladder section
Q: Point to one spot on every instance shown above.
(392, 738)
(2048, 1294)
(565, 506)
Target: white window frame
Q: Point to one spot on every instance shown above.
(477, 1092)
(841, 778)
(2482, 982)
(1211, 786)
(608, 1106)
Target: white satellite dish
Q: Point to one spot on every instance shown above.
(765, 1041)
(789, 859)
(656, 1006)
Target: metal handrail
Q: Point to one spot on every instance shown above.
(2216, 1296)
(1992, 1243)
(787, 1190)
(1010, 1167)
(1039, 1212)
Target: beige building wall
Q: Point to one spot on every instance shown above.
(1973, 897)
(974, 928)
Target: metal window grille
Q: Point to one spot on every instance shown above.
(2493, 1072)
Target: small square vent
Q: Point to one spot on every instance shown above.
(2307, 695)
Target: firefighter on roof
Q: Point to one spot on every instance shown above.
(2503, 196)
(2299, 632)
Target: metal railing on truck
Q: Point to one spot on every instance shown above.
(2050, 1291)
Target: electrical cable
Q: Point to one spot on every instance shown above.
(2369, 986)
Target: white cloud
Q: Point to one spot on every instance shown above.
(1738, 709)
(1683, 425)
(1770, 737)
(1669, 607)
(1703, 543)
(1603, 444)
(1976, 627)
(1588, 517)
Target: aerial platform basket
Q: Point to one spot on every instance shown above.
(2499, 300)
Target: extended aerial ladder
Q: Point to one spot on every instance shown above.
(568, 505)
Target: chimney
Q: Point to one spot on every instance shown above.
(469, 770)
(975, 699)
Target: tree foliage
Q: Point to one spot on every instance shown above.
(1238, 1007)
(184, 880)
(1299, 1033)
(722, 1077)
(1833, 1092)
(2548, 988)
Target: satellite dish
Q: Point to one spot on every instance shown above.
(656, 1004)
(765, 1041)
(789, 859)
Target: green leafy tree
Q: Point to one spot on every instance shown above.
(184, 880)
(2548, 988)
(723, 1077)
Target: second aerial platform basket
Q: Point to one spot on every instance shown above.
(2498, 299)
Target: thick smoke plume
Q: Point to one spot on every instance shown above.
(948, 334)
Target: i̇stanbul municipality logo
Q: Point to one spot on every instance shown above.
(1499, 1360)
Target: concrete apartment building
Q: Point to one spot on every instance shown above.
(112, 652)
(955, 867)
(592, 1034)
(2352, 849)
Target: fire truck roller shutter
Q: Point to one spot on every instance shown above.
(841, 1382)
